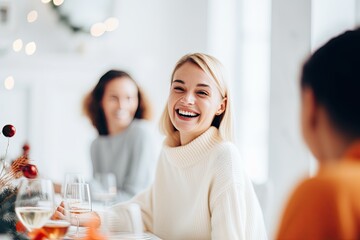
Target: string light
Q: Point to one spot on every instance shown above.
(17, 45)
(58, 2)
(9, 83)
(111, 24)
(30, 48)
(32, 16)
(97, 29)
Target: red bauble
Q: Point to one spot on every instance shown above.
(26, 147)
(30, 171)
(8, 130)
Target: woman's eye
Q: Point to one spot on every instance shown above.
(178, 89)
(204, 93)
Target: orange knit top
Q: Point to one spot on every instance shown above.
(326, 206)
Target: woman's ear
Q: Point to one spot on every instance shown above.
(309, 108)
(309, 120)
(222, 107)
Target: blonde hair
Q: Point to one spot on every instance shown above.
(214, 69)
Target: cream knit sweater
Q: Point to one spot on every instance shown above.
(201, 192)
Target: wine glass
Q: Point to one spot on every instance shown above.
(34, 203)
(56, 229)
(72, 178)
(104, 187)
(77, 200)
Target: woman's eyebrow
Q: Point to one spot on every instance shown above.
(178, 81)
(203, 85)
(198, 85)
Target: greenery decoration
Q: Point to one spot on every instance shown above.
(65, 20)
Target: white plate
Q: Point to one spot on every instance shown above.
(129, 236)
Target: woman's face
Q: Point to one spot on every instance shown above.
(193, 102)
(119, 103)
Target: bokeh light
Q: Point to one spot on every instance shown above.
(17, 45)
(9, 83)
(30, 48)
(97, 29)
(111, 24)
(58, 2)
(32, 16)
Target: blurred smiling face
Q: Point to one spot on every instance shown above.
(119, 103)
(193, 102)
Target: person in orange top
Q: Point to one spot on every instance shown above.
(327, 206)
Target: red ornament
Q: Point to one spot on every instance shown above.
(8, 130)
(26, 149)
(30, 171)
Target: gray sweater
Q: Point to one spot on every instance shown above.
(130, 155)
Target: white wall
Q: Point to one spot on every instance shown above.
(290, 43)
(45, 104)
(151, 36)
(298, 27)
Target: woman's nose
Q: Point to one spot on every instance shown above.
(188, 99)
(121, 103)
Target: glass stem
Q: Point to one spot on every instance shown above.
(77, 225)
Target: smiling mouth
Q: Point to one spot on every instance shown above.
(120, 114)
(187, 114)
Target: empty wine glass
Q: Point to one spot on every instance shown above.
(77, 200)
(35, 202)
(72, 178)
(104, 187)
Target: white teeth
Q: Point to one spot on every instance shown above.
(182, 112)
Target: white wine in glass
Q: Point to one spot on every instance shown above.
(77, 200)
(35, 202)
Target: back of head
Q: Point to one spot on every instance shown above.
(333, 74)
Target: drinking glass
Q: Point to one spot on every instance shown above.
(72, 178)
(35, 202)
(77, 200)
(56, 229)
(104, 187)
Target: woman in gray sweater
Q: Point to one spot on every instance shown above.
(125, 146)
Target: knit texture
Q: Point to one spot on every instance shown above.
(131, 155)
(201, 192)
(326, 206)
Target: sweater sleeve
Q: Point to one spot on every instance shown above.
(143, 159)
(235, 210)
(119, 217)
(236, 214)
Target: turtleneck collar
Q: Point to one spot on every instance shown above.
(194, 151)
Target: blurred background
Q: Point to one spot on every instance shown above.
(53, 52)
